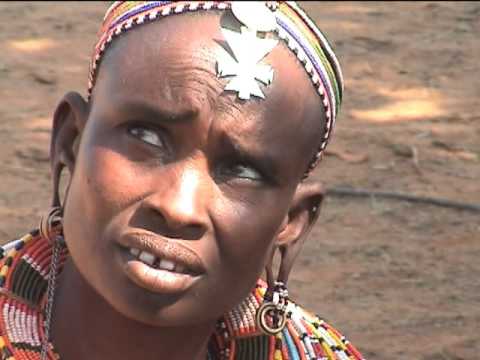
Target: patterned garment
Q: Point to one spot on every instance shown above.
(24, 267)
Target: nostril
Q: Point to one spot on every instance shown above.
(153, 220)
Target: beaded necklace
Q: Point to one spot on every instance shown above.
(24, 273)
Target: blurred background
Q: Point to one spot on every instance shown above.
(400, 279)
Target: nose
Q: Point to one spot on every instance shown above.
(179, 203)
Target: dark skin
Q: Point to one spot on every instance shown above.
(162, 149)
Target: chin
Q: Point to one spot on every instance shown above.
(163, 310)
(174, 315)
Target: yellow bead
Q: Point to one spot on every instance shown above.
(337, 340)
(278, 355)
(330, 354)
(2, 342)
(4, 270)
(27, 238)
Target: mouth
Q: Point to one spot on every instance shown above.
(160, 265)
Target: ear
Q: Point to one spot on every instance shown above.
(69, 120)
(303, 213)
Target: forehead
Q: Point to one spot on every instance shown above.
(172, 64)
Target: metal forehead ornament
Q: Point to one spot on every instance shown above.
(248, 50)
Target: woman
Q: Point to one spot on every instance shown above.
(187, 164)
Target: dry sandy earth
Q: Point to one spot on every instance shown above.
(401, 280)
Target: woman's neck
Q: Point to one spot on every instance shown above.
(85, 326)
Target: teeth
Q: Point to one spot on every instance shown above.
(134, 252)
(180, 268)
(151, 260)
(167, 265)
(147, 258)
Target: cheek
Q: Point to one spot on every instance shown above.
(104, 183)
(247, 233)
(113, 178)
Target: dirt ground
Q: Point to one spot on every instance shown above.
(401, 280)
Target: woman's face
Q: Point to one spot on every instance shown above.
(179, 188)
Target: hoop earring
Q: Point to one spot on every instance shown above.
(49, 227)
(271, 316)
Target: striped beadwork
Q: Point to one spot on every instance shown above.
(24, 268)
(294, 27)
(24, 275)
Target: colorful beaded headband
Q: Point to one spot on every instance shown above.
(286, 19)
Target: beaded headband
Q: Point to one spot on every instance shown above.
(285, 19)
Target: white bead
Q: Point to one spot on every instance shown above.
(301, 55)
(281, 33)
(208, 5)
(179, 8)
(309, 67)
(165, 11)
(321, 90)
(153, 14)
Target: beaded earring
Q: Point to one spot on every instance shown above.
(272, 315)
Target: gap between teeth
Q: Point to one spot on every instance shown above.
(151, 260)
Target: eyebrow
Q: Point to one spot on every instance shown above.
(158, 113)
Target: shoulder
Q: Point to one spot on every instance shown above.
(305, 335)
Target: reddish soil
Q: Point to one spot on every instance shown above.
(401, 280)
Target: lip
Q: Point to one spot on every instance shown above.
(154, 279)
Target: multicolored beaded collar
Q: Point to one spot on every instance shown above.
(290, 24)
(24, 269)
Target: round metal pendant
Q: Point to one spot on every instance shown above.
(255, 15)
(265, 320)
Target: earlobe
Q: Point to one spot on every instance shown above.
(69, 120)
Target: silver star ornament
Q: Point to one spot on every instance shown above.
(244, 65)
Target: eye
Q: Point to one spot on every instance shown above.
(147, 135)
(242, 171)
